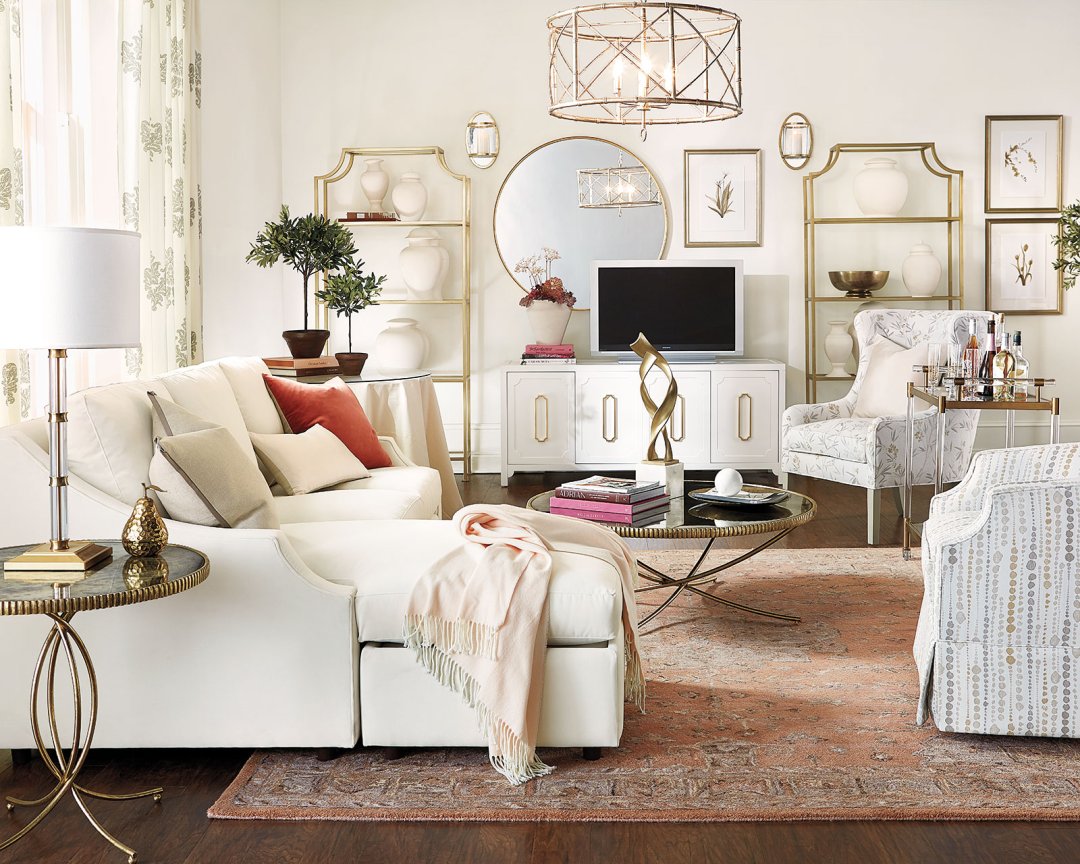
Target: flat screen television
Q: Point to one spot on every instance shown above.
(690, 310)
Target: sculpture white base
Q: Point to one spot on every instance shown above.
(670, 474)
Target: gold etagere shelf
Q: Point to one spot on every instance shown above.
(345, 165)
(953, 219)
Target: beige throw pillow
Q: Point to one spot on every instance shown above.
(205, 476)
(307, 462)
(883, 392)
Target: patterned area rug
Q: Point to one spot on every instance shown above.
(748, 719)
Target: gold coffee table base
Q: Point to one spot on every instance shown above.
(696, 577)
(66, 768)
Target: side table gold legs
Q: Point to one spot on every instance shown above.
(697, 577)
(66, 768)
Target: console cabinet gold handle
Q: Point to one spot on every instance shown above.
(749, 416)
(681, 400)
(614, 418)
(540, 439)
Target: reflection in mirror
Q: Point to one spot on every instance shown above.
(539, 205)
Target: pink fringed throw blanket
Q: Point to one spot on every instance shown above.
(478, 622)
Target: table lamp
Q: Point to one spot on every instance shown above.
(64, 288)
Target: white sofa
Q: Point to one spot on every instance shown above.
(294, 640)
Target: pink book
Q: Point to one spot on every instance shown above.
(606, 507)
(549, 349)
(615, 518)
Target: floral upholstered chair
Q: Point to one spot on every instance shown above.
(998, 644)
(830, 442)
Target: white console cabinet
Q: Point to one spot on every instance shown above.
(589, 416)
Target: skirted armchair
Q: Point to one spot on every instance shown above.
(826, 441)
(998, 641)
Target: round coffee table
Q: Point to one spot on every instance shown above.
(123, 581)
(689, 519)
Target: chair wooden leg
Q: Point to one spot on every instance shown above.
(873, 516)
(782, 479)
(898, 499)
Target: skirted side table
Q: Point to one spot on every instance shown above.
(123, 581)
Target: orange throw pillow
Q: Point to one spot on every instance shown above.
(331, 405)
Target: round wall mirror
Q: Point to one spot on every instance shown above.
(588, 198)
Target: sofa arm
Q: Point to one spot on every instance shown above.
(397, 457)
(800, 415)
(992, 468)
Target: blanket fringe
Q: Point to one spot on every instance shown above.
(633, 674)
(453, 637)
(507, 751)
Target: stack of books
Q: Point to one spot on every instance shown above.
(315, 370)
(613, 500)
(540, 354)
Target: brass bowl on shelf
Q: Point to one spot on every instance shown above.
(858, 283)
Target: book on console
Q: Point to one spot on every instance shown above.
(323, 363)
(634, 489)
(616, 507)
(563, 349)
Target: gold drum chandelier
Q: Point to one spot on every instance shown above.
(616, 188)
(642, 63)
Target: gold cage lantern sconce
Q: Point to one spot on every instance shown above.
(482, 140)
(796, 141)
(645, 63)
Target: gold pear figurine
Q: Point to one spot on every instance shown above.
(145, 572)
(144, 532)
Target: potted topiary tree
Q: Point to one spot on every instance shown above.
(308, 244)
(1068, 245)
(347, 292)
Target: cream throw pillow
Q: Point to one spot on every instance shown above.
(307, 462)
(206, 477)
(883, 392)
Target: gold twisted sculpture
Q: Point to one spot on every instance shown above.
(650, 357)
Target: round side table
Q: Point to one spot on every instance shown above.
(123, 581)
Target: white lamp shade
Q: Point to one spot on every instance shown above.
(68, 288)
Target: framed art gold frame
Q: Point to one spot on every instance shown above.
(688, 240)
(1013, 166)
(1048, 256)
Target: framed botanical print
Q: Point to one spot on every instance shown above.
(1020, 274)
(1023, 163)
(722, 198)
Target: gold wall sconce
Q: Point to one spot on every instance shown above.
(796, 141)
(482, 140)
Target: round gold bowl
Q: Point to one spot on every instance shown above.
(858, 283)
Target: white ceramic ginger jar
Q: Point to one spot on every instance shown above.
(424, 265)
(374, 181)
(881, 188)
(838, 343)
(410, 198)
(922, 271)
(400, 348)
(548, 321)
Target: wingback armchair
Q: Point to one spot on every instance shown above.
(826, 441)
(998, 642)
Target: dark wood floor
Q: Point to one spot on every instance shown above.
(178, 832)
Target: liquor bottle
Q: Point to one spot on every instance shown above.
(1020, 369)
(969, 362)
(986, 362)
(1003, 371)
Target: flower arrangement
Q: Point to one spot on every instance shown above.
(544, 285)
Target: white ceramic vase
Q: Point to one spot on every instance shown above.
(374, 181)
(922, 271)
(880, 188)
(400, 348)
(424, 265)
(838, 343)
(410, 198)
(548, 321)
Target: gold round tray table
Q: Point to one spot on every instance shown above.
(691, 519)
(59, 595)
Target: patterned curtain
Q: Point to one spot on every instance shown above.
(160, 98)
(14, 365)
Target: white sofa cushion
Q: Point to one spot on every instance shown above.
(256, 406)
(205, 391)
(418, 480)
(110, 438)
(840, 438)
(383, 560)
(345, 505)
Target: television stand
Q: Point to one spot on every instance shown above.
(589, 417)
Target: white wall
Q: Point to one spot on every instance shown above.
(368, 73)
